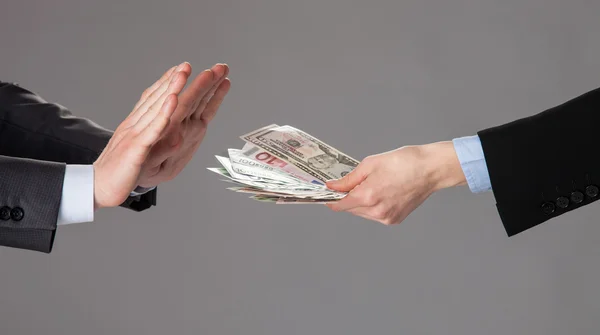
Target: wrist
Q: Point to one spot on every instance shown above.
(442, 165)
(102, 199)
(97, 205)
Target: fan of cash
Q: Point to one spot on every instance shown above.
(284, 165)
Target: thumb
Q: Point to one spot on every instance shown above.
(349, 181)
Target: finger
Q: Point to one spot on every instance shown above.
(175, 87)
(350, 201)
(165, 77)
(198, 88)
(201, 83)
(351, 180)
(362, 212)
(221, 72)
(143, 106)
(215, 102)
(183, 68)
(153, 132)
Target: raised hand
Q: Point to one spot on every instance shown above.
(197, 106)
(117, 170)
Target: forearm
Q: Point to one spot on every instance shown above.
(441, 165)
(29, 202)
(40, 130)
(46, 131)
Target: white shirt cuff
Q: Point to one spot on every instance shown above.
(77, 202)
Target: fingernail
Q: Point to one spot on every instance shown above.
(180, 67)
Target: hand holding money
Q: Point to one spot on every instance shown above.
(285, 165)
(387, 187)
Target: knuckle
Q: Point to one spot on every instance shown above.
(368, 160)
(118, 136)
(369, 197)
(380, 213)
(136, 129)
(204, 100)
(173, 172)
(125, 146)
(156, 130)
(386, 222)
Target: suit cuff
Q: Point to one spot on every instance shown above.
(472, 161)
(77, 202)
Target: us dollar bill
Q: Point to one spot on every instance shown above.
(314, 157)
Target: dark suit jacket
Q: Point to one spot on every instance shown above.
(545, 165)
(37, 140)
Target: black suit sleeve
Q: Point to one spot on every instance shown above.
(545, 165)
(29, 202)
(40, 138)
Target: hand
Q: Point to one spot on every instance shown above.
(197, 106)
(389, 186)
(117, 170)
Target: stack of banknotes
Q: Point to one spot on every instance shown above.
(284, 165)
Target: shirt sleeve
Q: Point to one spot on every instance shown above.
(77, 202)
(472, 161)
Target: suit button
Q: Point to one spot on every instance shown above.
(577, 197)
(548, 208)
(4, 213)
(592, 191)
(562, 202)
(17, 213)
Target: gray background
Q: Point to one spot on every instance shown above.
(363, 76)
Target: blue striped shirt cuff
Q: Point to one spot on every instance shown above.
(472, 161)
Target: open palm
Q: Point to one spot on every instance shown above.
(197, 106)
